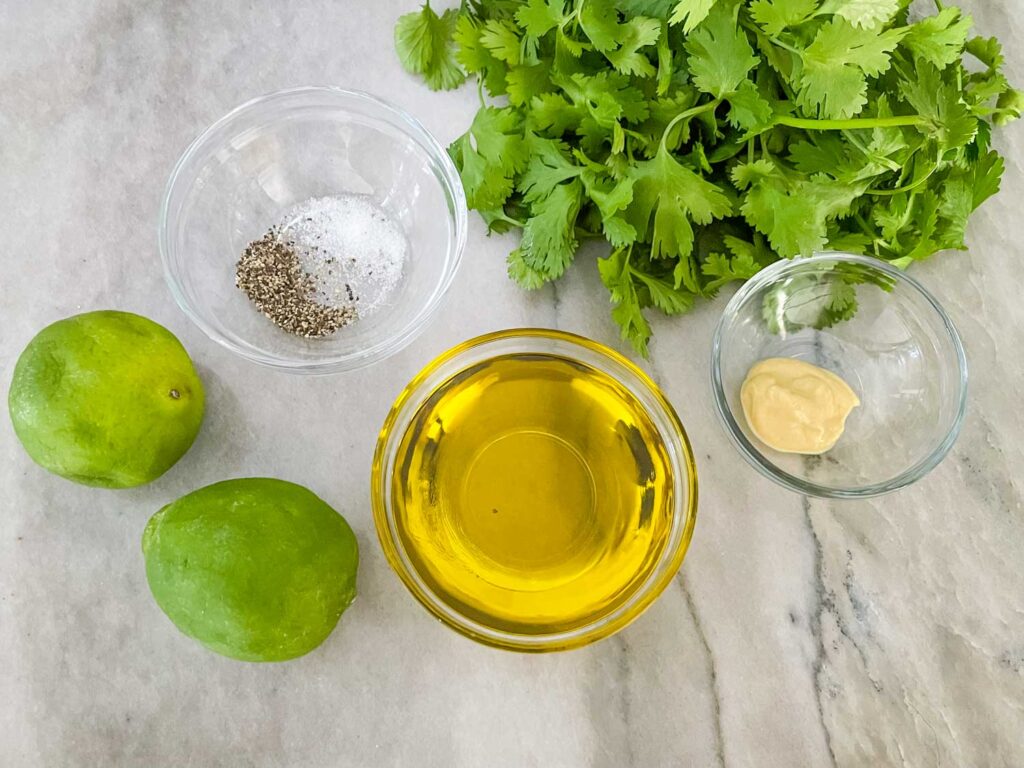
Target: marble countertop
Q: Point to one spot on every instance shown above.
(798, 633)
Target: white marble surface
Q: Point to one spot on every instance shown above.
(799, 633)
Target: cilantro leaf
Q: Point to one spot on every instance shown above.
(837, 64)
(608, 97)
(955, 207)
(476, 58)
(656, 9)
(665, 296)
(423, 41)
(927, 218)
(618, 278)
(841, 304)
(498, 137)
(793, 214)
(748, 109)
(549, 238)
(538, 17)
(488, 156)
(776, 15)
(523, 273)
(471, 53)
(866, 14)
(618, 231)
(1010, 106)
(550, 112)
(720, 269)
(756, 250)
(939, 39)
(525, 82)
(987, 50)
(486, 187)
(502, 40)
(635, 34)
(941, 104)
(611, 197)
(548, 166)
(720, 53)
(493, 9)
(986, 177)
(690, 13)
(665, 61)
(600, 22)
(667, 199)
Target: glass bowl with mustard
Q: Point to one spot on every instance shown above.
(839, 376)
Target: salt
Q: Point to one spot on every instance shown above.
(352, 249)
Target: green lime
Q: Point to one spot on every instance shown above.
(106, 398)
(255, 569)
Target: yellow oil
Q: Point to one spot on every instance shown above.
(537, 493)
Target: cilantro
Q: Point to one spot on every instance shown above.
(549, 238)
(657, 9)
(668, 199)
(617, 275)
(705, 139)
(720, 54)
(501, 38)
(939, 39)
(838, 63)
(636, 34)
(720, 269)
(424, 45)
(600, 22)
(538, 17)
(690, 13)
(525, 82)
(776, 15)
(866, 14)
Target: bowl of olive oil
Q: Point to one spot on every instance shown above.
(534, 490)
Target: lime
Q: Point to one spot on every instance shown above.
(106, 398)
(254, 569)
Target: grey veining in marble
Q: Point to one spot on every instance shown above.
(799, 633)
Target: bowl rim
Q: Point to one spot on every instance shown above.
(758, 460)
(450, 180)
(411, 399)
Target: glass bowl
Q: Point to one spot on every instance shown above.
(249, 168)
(653, 527)
(898, 350)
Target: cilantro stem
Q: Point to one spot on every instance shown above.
(911, 201)
(786, 46)
(857, 123)
(509, 220)
(852, 138)
(580, 155)
(685, 115)
(906, 187)
(859, 218)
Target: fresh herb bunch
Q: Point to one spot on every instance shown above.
(705, 139)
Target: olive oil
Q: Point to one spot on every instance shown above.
(536, 494)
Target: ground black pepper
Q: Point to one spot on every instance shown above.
(270, 274)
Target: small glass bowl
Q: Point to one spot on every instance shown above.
(529, 341)
(899, 352)
(246, 170)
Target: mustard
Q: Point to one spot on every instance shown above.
(796, 407)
